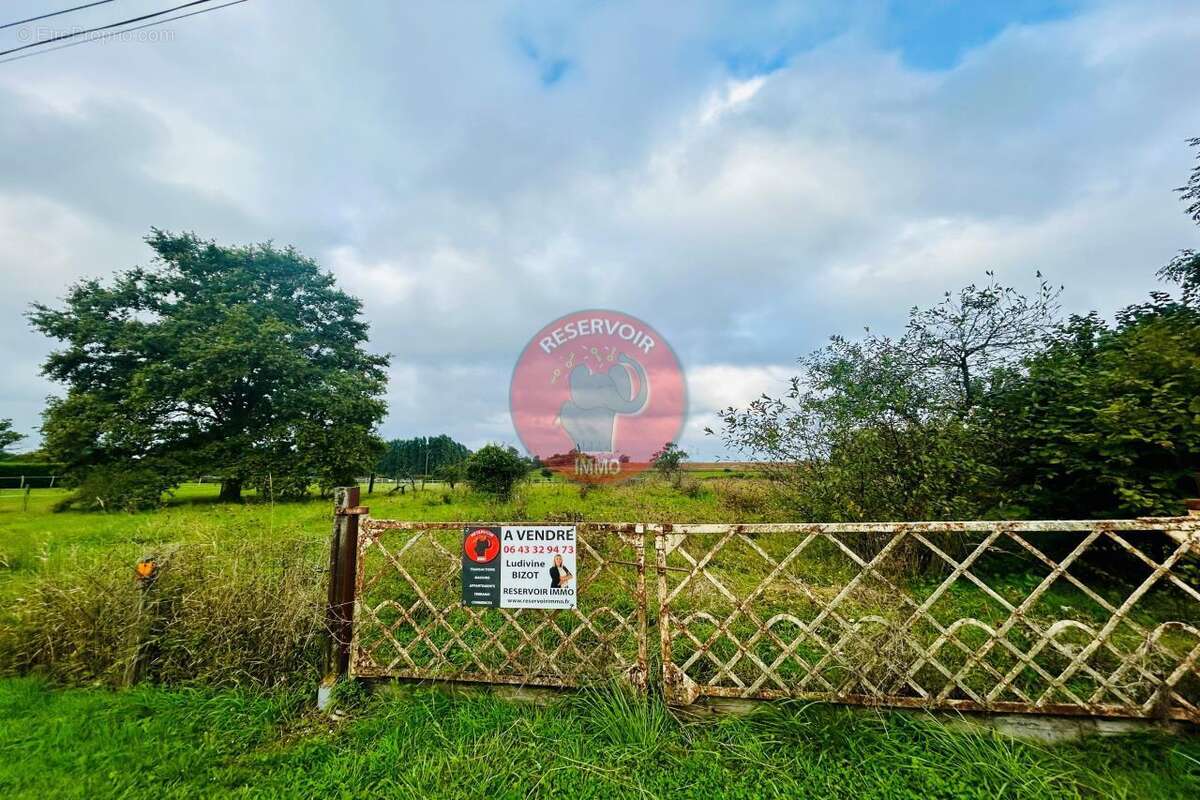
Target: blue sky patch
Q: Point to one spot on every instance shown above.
(929, 34)
(936, 34)
(550, 69)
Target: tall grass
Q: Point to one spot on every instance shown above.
(227, 613)
(626, 719)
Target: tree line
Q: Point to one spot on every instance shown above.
(421, 455)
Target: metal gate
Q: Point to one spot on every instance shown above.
(1063, 617)
(409, 620)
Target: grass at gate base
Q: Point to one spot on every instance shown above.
(162, 743)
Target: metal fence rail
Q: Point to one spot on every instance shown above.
(1066, 617)
(409, 621)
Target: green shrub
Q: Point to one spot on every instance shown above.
(123, 487)
(743, 497)
(495, 469)
(690, 488)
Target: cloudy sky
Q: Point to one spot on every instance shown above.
(747, 178)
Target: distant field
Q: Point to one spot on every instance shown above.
(722, 466)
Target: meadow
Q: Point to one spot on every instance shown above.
(225, 706)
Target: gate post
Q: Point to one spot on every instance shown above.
(343, 569)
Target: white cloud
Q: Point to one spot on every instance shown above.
(729, 97)
(712, 387)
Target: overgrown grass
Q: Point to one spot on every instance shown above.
(239, 599)
(220, 612)
(158, 743)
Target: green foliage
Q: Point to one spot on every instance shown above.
(420, 455)
(1107, 419)
(122, 487)
(496, 470)
(244, 362)
(1190, 191)
(668, 462)
(8, 437)
(452, 474)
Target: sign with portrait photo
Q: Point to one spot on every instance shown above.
(520, 566)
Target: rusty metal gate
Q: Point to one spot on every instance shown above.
(1064, 617)
(409, 620)
(1084, 617)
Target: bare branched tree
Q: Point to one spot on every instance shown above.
(979, 329)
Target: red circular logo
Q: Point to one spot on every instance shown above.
(596, 393)
(481, 545)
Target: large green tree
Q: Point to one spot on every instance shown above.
(245, 362)
(495, 469)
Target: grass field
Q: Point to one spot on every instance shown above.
(161, 743)
(244, 611)
(33, 539)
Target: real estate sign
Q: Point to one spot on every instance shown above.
(519, 566)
